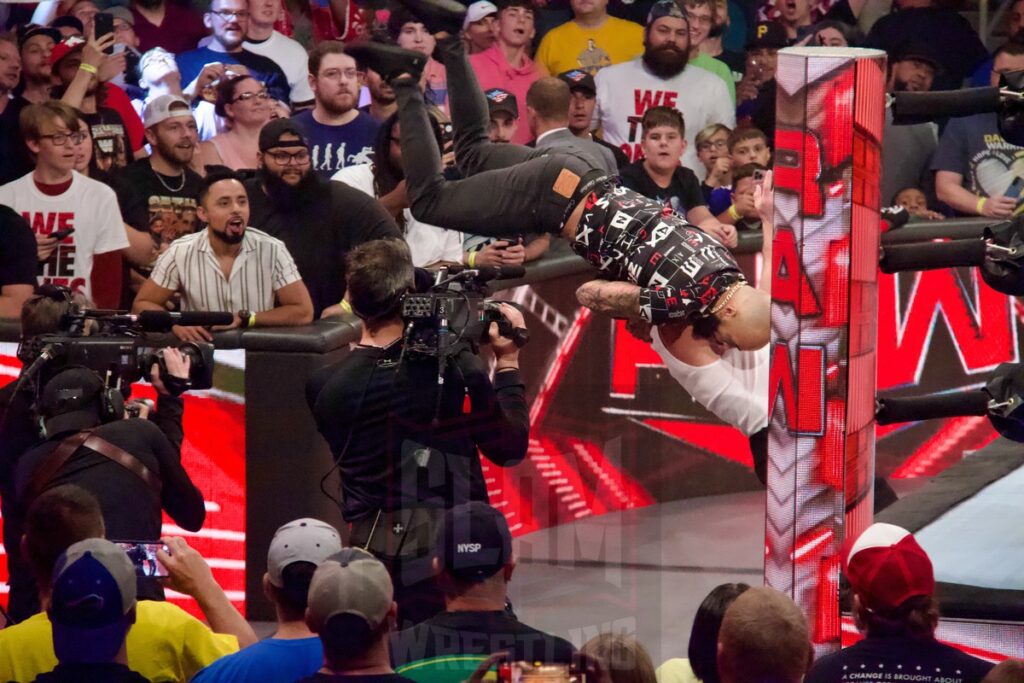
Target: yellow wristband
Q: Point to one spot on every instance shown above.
(88, 68)
(345, 306)
(979, 208)
(471, 261)
(252, 320)
(733, 213)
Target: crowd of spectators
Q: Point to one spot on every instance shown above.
(229, 155)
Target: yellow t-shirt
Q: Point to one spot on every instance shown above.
(676, 671)
(164, 644)
(571, 47)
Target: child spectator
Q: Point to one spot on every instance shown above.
(625, 659)
(914, 200)
(749, 146)
(659, 175)
(742, 209)
(713, 151)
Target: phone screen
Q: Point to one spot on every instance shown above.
(143, 556)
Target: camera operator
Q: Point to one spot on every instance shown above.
(133, 466)
(405, 448)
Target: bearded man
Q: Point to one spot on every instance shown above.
(660, 78)
(318, 220)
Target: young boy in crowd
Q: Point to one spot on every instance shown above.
(749, 146)
(659, 175)
(713, 151)
(504, 111)
(914, 200)
(744, 180)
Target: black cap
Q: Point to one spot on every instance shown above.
(769, 34)
(271, 133)
(499, 99)
(70, 400)
(918, 51)
(578, 79)
(473, 541)
(26, 31)
(68, 20)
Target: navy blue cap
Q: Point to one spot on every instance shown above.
(474, 541)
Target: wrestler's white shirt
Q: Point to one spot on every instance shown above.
(734, 387)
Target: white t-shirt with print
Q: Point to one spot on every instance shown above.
(625, 91)
(428, 243)
(88, 206)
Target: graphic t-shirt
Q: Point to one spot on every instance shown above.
(261, 68)
(571, 46)
(164, 206)
(973, 147)
(681, 270)
(626, 91)
(332, 148)
(111, 148)
(682, 194)
(878, 660)
(88, 206)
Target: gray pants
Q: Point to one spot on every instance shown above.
(506, 189)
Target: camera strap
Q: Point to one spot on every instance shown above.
(63, 452)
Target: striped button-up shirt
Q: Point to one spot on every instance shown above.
(262, 267)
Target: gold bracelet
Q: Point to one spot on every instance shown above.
(345, 306)
(733, 213)
(979, 208)
(252, 320)
(88, 68)
(471, 260)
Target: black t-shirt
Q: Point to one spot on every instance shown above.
(346, 678)
(621, 159)
(682, 194)
(389, 409)
(321, 231)
(18, 260)
(111, 148)
(14, 157)
(477, 633)
(878, 659)
(164, 206)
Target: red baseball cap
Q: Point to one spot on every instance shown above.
(886, 567)
(66, 47)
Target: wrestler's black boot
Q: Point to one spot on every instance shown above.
(390, 61)
(438, 15)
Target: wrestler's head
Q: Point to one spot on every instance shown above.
(745, 321)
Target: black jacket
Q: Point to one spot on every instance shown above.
(389, 411)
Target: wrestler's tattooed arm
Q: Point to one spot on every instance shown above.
(621, 299)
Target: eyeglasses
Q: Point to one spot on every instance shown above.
(697, 19)
(61, 139)
(339, 74)
(713, 144)
(286, 158)
(262, 94)
(228, 13)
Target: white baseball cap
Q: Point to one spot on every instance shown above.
(477, 11)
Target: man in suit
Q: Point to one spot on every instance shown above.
(547, 114)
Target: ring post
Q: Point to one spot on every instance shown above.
(829, 120)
